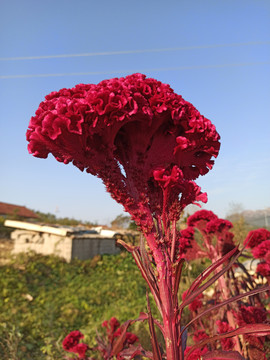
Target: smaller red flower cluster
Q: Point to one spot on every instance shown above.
(259, 243)
(200, 335)
(199, 218)
(224, 327)
(252, 315)
(116, 341)
(114, 330)
(185, 242)
(196, 354)
(110, 346)
(216, 235)
(218, 226)
(71, 344)
(256, 237)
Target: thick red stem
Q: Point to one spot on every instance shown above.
(170, 325)
(173, 240)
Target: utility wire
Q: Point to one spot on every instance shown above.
(135, 70)
(140, 51)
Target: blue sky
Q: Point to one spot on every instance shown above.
(216, 54)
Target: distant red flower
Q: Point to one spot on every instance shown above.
(137, 135)
(114, 323)
(201, 216)
(250, 315)
(262, 251)
(129, 337)
(111, 326)
(196, 354)
(255, 237)
(200, 335)
(223, 327)
(263, 268)
(71, 344)
(114, 330)
(185, 241)
(218, 225)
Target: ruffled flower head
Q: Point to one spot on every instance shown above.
(185, 241)
(201, 217)
(224, 327)
(262, 251)
(255, 237)
(71, 344)
(142, 139)
(218, 226)
(263, 268)
(250, 315)
(217, 240)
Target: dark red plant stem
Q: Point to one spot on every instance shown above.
(173, 240)
(164, 213)
(171, 333)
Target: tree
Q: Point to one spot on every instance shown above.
(121, 221)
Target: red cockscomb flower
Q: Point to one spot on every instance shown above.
(250, 315)
(262, 251)
(255, 237)
(200, 335)
(218, 226)
(263, 268)
(134, 133)
(223, 327)
(129, 337)
(185, 241)
(111, 326)
(201, 216)
(71, 344)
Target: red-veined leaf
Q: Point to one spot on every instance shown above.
(178, 272)
(250, 329)
(189, 298)
(209, 270)
(133, 351)
(119, 343)
(228, 301)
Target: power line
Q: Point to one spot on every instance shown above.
(139, 51)
(177, 68)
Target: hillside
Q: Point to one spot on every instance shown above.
(255, 218)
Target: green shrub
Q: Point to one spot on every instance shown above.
(43, 298)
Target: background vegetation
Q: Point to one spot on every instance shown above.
(43, 298)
